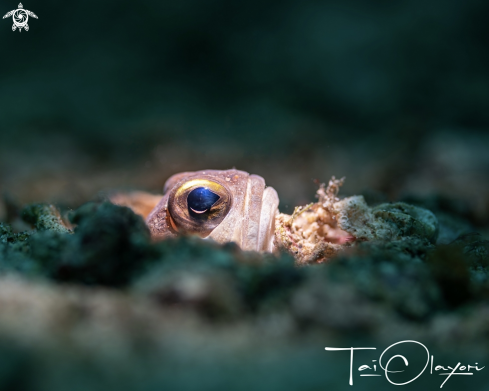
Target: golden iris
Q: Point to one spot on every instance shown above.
(197, 206)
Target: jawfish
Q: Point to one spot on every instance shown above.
(226, 206)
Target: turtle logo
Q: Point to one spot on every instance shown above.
(20, 17)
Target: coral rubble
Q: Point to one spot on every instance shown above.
(318, 231)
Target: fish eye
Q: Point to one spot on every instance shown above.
(201, 199)
(197, 206)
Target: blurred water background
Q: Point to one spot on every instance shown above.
(118, 94)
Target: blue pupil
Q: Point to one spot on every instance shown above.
(201, 199)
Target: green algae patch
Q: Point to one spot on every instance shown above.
(44, 217)
(100, 299)
(106, 247)
(110, 244)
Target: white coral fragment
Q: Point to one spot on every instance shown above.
(320, 230)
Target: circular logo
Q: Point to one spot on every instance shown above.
(20, 18)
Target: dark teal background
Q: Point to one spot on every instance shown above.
(291, 90)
